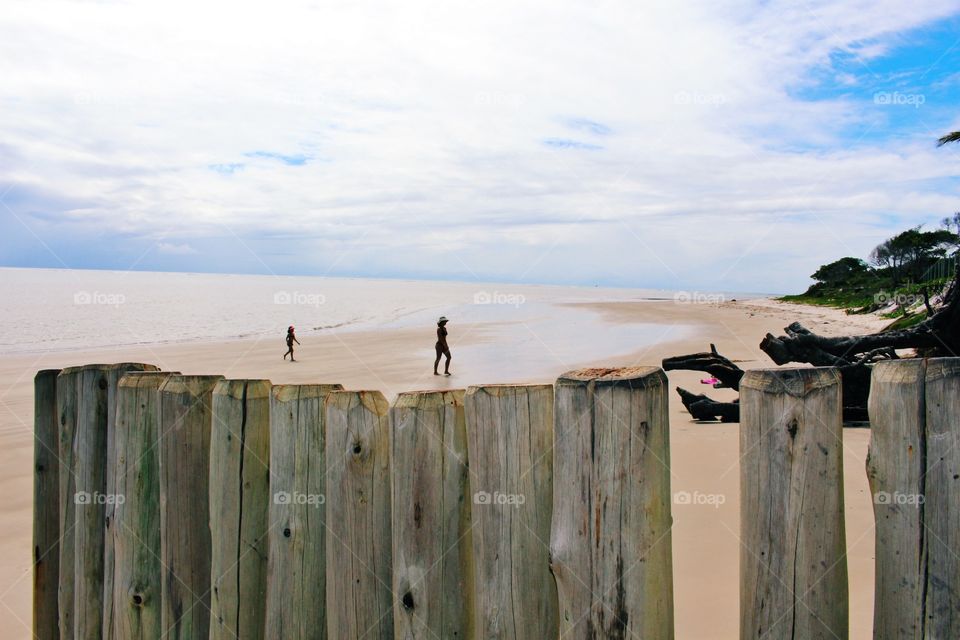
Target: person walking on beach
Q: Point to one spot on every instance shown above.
(441, 346)
(291, 338)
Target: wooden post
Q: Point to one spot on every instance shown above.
(510, 441)
(611, 543)
(82, 403)
(432, 555)
(135, 613)
(46, 506)
(359, 599)
(296, 566)
(941, 509)
(896, 467)
(184, 449)
(67, 399)
(914, 471)
(793, 570)
(239, 506)
(114, 373)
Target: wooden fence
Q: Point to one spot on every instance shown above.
(187, 507)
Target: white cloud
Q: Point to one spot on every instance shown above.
(424, 128)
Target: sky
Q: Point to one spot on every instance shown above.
(727, 145)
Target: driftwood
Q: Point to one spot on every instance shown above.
(853, 356)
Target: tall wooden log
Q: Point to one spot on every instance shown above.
(296, 566)
(611, 543)
(896, 467)
(135, 472)
(46, 506)
(239, 507)
(114, 374)
(941, 509)
(510, 440)
(184, 453)
(432, 555)
(92, 499)
(793, 570)
(67, 406)
(359, 599)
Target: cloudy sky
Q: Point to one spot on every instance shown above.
(717, 144)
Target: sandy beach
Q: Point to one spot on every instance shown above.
(704, 456)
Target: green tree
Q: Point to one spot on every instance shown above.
(841, 271)
(909, 253)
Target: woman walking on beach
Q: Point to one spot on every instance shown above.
(291, 338)
(441, 346)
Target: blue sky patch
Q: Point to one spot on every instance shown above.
(565, 143)
(296, 160)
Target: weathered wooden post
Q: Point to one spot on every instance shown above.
(239, 506)
(432, 555)
(114, 374)
(941, 513)
(510, 439)
(611, 544)
(296, 565)
(46, 506)
(896, 468)
(82, 402)
(136, 570)
(914, 471)
(359, 599)
(793, 570)
(67, 405)
(184, 452)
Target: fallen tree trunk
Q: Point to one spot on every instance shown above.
(713, 363)
(703, 408)
(853, 356)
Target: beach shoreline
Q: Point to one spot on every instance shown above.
(397, 359)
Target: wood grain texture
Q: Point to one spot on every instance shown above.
(239, 508)
(941, 509)
(135, 469)
(510, 444)
(90, 499)
(186, 418)
(432, 554)
(67, 405)
(296, 565)
(46, 506)
(895, 470)
(359, 598)
(793, 570)
(611, 542)
(114, 374)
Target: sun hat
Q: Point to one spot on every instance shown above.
(442, 319)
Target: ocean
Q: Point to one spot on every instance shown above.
(52, 310)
